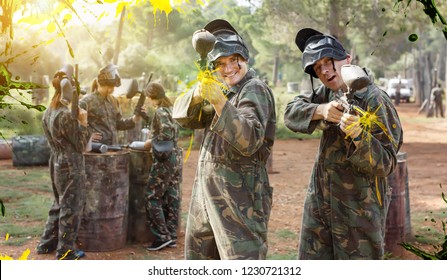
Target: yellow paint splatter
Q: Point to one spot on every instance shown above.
(188, 152)
(7, 237)
(367, 121)
(65, 255)
(209, 82)
(162, 6)
(23, 257)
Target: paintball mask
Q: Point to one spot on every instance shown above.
(228, 41)
(109, 76)
(315, 46)
(66, 84)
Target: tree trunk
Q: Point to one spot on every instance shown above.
(275, 70)
(445, 81)
(428, 83)
(118, 37)
(334, 21)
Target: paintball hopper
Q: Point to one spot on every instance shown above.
(132, 89)
(203, 42)
(354, 77)
(66, 83)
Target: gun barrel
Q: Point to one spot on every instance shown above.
(75, 97)
(114, 148)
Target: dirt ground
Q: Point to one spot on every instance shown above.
(425, 143)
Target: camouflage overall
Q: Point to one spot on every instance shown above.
(67, 140)
(163, 191)
(348, 195)
(232, 197)
(104, 116)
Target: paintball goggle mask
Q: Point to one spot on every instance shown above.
(63, 80)
(316, 46)
(109, 76)
(227, 42)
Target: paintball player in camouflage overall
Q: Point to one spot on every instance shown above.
(436, 96)
(67, 138)
(348, 195)
(104, 114)
(163, 191)
(232, 197)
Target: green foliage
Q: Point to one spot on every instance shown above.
(290, 255)
(27, 197)
(440, 252)
(20, 121)
(286, 234)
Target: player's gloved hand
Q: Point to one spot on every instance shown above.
(332, 112)
(212, 92)
(350, 125)
(82, 117)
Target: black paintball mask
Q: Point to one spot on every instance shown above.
(228, 41)
(315, 45)
(109, 76)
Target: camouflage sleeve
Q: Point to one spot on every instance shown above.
(121, 122)
(83, 103)
(299, 112)
(162, 126)
(244, 125)
(190, 113)
(46, 129)
(75, 133)
(377, 152)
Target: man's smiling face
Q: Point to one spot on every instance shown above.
(231, 68)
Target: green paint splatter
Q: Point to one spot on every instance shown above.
(432, 11)
(413, 37)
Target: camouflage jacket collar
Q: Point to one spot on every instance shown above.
(236, 88)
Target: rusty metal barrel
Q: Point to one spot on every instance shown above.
(104, 220)
(140, 164)
(5, 149)
(398, 226)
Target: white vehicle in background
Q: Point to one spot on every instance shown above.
(406, 90)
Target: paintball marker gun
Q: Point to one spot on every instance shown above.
(134, 90)
(203, 42)
(355, 78)
(76, 92)
(102, 148)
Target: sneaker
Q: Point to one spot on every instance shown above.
(77, 254)
(173, 244)
(157, 245)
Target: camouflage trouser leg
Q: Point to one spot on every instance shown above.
(345, 225)
(48, 241)
(171, 209)
(70, 183)
(156, 219)
(172, 198)
(200, 243)
(162, 199)
(229, 213)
